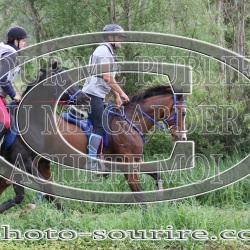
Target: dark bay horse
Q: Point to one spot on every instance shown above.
(156, 104)
(39, 167)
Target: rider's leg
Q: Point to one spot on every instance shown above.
(95, 138)
(93, 146)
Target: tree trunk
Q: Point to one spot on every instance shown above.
(36, 20)
(240, 27)
(219, 22)
(112, 11)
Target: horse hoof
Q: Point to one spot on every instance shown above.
(102, 175)
(28, 208)
(160, 185)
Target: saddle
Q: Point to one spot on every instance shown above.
(79, 117)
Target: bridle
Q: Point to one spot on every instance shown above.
(174, 117)
(72, 98)
(166, 121)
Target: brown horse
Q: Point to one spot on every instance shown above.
(128, 126)
(153, 105)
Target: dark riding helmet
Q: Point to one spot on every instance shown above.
(16, 32)
(114, 28)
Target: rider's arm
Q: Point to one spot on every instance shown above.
(117, 98)
(108, 78)
(8, 63)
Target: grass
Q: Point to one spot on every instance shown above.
(225, 209)
(82, 217)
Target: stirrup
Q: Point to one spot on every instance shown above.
(95, 165)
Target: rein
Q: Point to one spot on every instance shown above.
(123, 116)
(72, 97)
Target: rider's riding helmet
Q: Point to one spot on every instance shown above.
(112, 30)
(15, 32)
(116, 28)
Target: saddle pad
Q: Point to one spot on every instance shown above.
(85, 125)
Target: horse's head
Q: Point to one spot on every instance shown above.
(73, 94)
(161, 104)
(176, 120)
(174, 112)
(61, 80)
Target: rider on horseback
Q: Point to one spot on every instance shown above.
(15, 37)
(98, 86)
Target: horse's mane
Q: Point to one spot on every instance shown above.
(40, 77)
(153, 91)
(42, 74)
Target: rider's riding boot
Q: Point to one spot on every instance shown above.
(93, 146)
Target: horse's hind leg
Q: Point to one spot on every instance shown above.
(4, 184)
(19, 190)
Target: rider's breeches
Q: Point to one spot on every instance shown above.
(96, 113)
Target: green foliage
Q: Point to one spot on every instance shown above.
(158, 142)
(218, 117)
(217, 92)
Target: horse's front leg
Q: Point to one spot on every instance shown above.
(158, 181)
(157, 177)
(19, 191)
(43, 166)
(135, 186)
